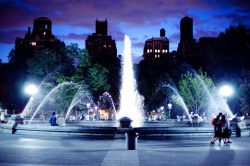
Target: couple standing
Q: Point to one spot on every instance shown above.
(221, 129)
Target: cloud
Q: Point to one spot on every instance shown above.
(235, 18)
(73, 36)
(204, 33)
(137, 18)
(8, 37)
(136, 59)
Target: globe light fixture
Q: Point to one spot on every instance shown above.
(162, 108)
(31, 89)
(169, 109)
(226, 91)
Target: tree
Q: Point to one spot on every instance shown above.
(244, 91)
(193, 89)
(93, 76)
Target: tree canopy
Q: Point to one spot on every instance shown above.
(193, 89)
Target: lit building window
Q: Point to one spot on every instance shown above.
(109, 46)
(148, 50)
(44, 33)
(104, 45)
(33, 43)
(166, 50)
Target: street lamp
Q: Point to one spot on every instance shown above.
(31, 90)
(226, 91)
(162, 111)
(169, 109)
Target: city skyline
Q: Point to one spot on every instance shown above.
(73, 21)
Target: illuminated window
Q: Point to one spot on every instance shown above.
(33, 43)
(44, 33)
(109, 46)
(166, 50)
(148, 50)
(104, 46)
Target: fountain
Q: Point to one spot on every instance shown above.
(215, 107)
(49, 103)
(131, 103)
(82, 96)
(131, 106)
(179, 100)
(49, 96)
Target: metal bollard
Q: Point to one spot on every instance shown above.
(131, 138)
(238, 131)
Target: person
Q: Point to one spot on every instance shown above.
(217, 129)
(52, 120)
(18, 120)
(225, 129)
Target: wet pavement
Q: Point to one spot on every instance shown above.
(18, 149)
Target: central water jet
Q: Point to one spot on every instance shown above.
(131, 102)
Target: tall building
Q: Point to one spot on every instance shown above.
(101, 47)
(40, 37)
(101, 27)
(186, 26)
(156, 47)
(187, 42)
(196, 53)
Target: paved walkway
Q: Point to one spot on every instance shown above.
(119, 155)
(45, 150)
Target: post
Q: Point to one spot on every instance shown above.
(169, 109)
(131, 136)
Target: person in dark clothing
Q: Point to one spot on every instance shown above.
(52, 120)
(18, 120)
(217, 129)
(225, 129)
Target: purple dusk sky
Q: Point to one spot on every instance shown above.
(74, 20)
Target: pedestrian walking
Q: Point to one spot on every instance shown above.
(18, 120)
(225, 129)
(217, 128)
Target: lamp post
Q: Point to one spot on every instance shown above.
(162, 111)
(31, 90)
(226, 91)
(169, 109)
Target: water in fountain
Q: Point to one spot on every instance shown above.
(179, 100)
(131, 102)
(49, 96)
(82, 97)
(106, 103)
(215, 107)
